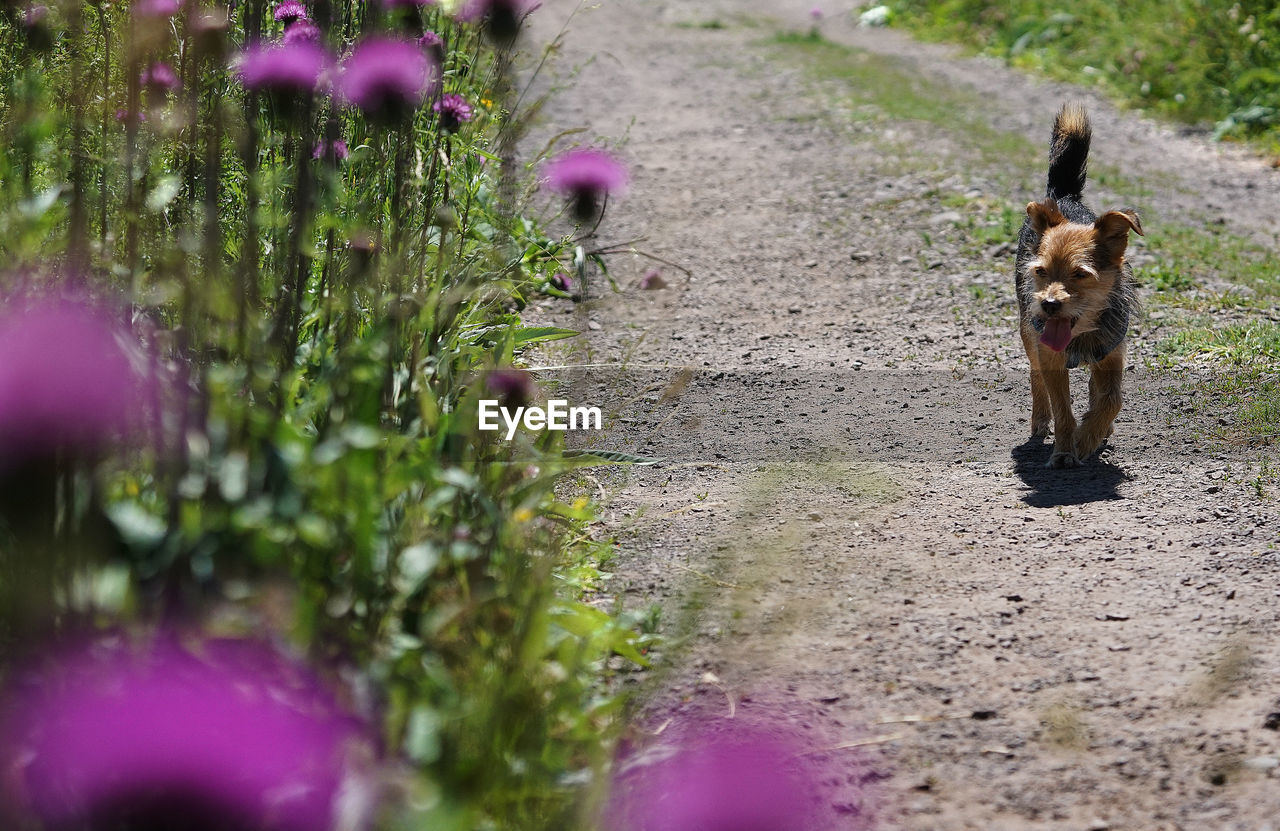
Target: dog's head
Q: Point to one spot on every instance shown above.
(1074, 269)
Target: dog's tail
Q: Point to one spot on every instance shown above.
(1069, 152)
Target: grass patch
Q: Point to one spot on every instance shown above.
(1198, 61)
(878, 88)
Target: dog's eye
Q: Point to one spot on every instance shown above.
(1081, 275)
(1039, 271)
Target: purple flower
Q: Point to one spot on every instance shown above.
(334, 151)
(561, 282)
(123, 116)
(290, 12)
(734, 779)
(66, 379)
(453, 110)
(301, 31)
(386, 79)
(652, 281)
(159, 79)
(290, 69)
(513, 387)
(156, 8)
(501, 18)
(433, 45)
(211, 735)
(815, 13)
(586, 176)
(33, 16)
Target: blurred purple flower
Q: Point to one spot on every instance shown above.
(159, 79)
(501, 19)
(66, 379)
(815, 13)
(386, 79)
(513, 387)
(156, 8)
(652, 281)
(586, 176)
(122, 115)
(433, 45)
(733, 779)
(561, 282)
(334, 151)
(453, 110)
(289, 12)
(34, 15)
(301, 31)
(290, 69)
(217, 735)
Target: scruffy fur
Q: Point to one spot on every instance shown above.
(1071, 272)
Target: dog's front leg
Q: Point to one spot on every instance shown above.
(1053, 371)
(1105, 378)
(1040, 412)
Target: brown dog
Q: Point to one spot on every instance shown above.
(1075, 296)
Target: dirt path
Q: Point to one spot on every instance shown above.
(850, 527)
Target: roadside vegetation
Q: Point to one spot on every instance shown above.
(258, 270)
(1204, 62)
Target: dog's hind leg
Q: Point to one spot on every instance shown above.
(1039, 395)
(1105, 379)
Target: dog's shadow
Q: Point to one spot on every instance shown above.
(1096, 480)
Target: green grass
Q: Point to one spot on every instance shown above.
(876, 89)
(1198, 61)
(1191, 256)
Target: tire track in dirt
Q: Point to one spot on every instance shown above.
(850, 526)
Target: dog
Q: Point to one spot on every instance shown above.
(1076, 295)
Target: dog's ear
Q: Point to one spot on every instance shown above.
(1044, 215)
(1112, 229)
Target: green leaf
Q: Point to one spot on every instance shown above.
(537, 334)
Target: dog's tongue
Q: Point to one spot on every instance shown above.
(1056, 334)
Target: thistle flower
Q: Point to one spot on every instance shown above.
(586, 176)
(731, 780)
(561, 282)
(33, 16)
(290, 12)
(453, 110)
(66, 379)
(652, 281)
(501, 19)
(34, 24)
(386, 79)
(513, 387)
(224, 734)
(333, 152)
(159, 80)
(301, 31)
(291, 70)
(433, 45)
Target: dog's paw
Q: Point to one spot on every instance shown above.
(1062, 459)
(1040, 429)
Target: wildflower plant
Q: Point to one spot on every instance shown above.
(302, 270)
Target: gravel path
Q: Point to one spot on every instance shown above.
(850, 529)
